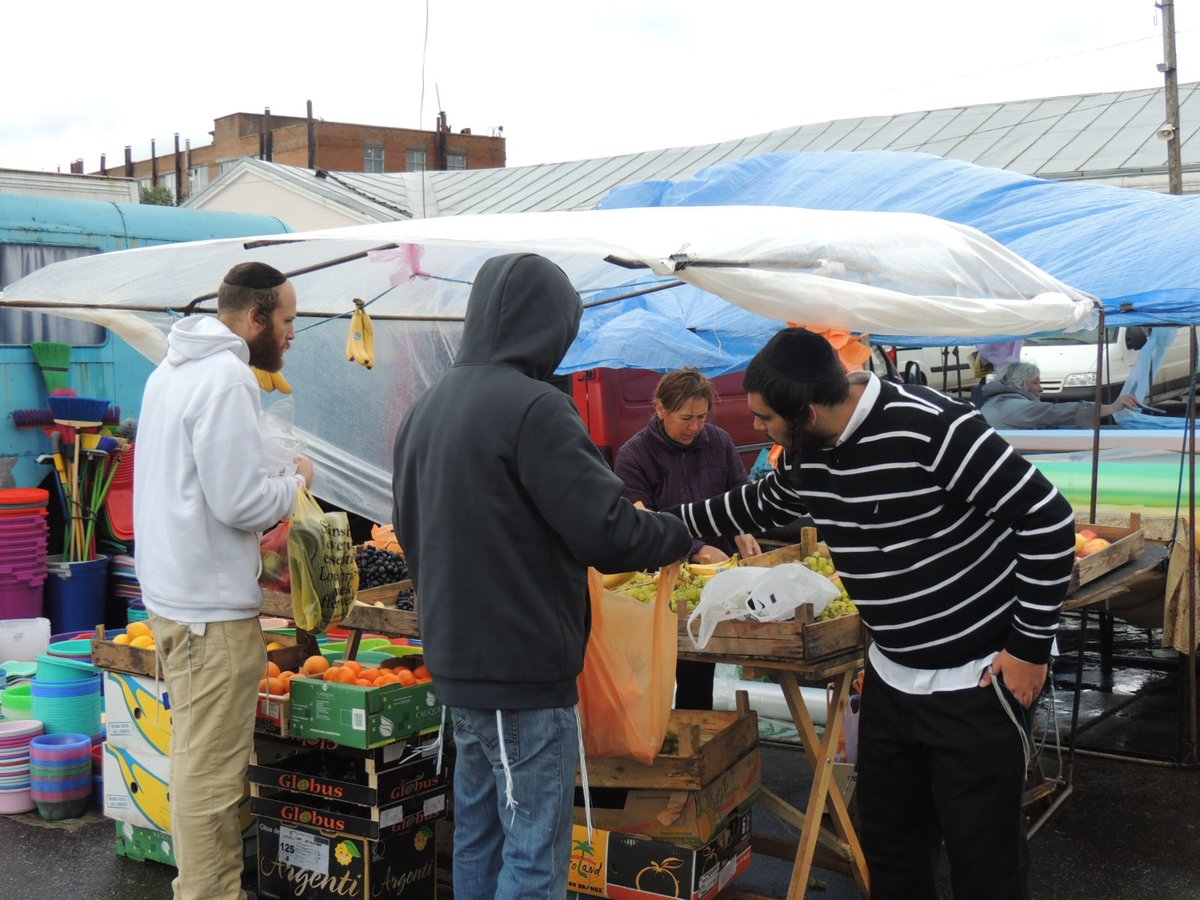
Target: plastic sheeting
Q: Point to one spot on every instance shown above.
(1133, 249)
(858, 271)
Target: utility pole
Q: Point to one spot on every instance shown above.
(1171, 75)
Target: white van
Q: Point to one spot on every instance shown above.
(1067, 362)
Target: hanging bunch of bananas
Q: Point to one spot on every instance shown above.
(360, 345)
(271, 381)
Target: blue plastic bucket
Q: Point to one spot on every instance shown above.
(75, 593)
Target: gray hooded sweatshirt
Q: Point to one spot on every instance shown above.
(502, 501)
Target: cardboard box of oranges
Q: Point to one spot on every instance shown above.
(363, 707)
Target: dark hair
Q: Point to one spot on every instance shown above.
(678, 387)
(814, 375)
(250, 285)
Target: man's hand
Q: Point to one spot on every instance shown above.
(708, 554)
(1024, 679)
(304, 467)
(747, 545)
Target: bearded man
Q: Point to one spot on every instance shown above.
(958, 553)
(202, 496)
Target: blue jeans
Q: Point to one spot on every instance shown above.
(521, 852)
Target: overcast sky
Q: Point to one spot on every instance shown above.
(566, 79)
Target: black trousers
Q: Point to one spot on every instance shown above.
(942, 767)
(694, 684)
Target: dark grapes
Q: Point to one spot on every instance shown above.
(377, 566)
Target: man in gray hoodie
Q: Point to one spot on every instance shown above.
(502, 501)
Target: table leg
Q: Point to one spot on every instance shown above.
(820, 754)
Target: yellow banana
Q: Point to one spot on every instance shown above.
(272, 381)
(360, 343)
(264, 378)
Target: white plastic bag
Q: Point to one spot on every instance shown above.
(281, 445)
(761, 594)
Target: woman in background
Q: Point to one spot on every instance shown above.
(1013, 400)
(680, 457)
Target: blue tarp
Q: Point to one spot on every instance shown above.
(1133, 249)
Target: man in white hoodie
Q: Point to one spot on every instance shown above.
(202, 494)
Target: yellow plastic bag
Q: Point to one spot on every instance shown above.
(321, 563)
(628, 673)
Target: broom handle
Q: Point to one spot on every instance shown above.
(76, 486)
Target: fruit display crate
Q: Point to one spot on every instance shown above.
(797, 640)
(374, 609)
(123, 657)
(701, 746)
(1125, 543)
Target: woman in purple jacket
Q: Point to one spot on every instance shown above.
(680, 457)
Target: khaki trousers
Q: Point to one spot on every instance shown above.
(212, 679)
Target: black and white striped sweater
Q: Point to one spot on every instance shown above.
(950, 543)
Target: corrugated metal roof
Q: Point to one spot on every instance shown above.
(1079, 137)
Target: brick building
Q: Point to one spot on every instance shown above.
(308, 143)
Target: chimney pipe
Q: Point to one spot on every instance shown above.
(312, 139)
(128, 161)
(153, 164)
(268, 148)
(178, 172)
(103, 164)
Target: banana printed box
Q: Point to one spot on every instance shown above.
(136, 713)
(358, 716)
(137, 787)
(295, 861)
(625, 867)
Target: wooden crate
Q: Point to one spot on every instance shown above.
(709, 743)
(364, 615)
(1127, 542)
(777, 641)
(799, 640)
(122, 657)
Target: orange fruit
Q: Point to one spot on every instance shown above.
(272, 669)
(262, 685)
(274, 685)
(353, 664)
(386, 678)
(121, 639)
(138, 629)
(405, 676)
(422, 674)
(144, 641)
(369, 674)
(346, 675)
(315, 665)
(364, 682)
(333, 673)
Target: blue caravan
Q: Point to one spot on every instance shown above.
(38, 231)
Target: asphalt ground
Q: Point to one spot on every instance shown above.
(1127, 830)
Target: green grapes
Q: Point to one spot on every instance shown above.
(843, 605)
(644, 587)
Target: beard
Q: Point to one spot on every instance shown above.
(809, 438)
(265, 351)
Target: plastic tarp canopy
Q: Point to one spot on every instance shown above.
(1133, 249)
(892, 272)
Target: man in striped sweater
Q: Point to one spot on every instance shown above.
(958, 553)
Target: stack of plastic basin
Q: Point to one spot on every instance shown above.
(15, 787)
(60, 775)
(22, 551)
(21, 640)
(16, 702)
(70, 706)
